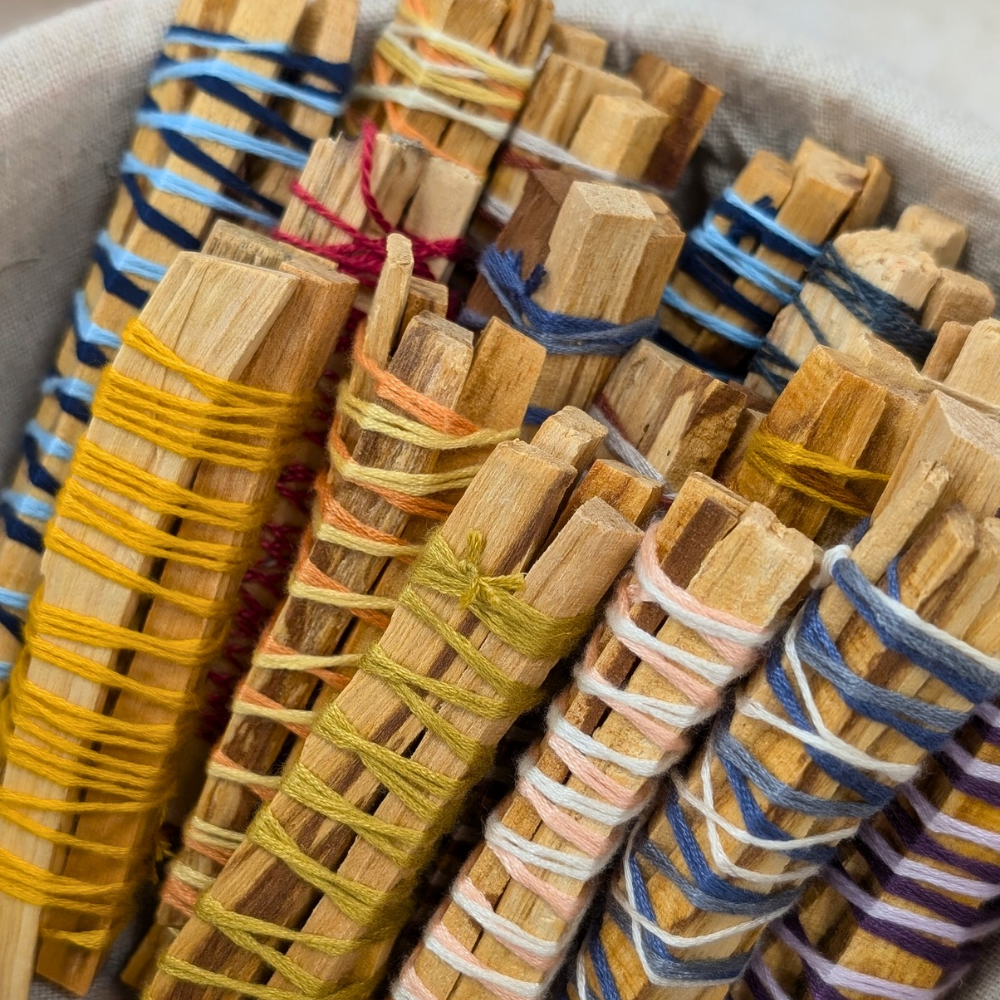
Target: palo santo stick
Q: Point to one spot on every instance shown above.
(464, 131)
(238, 304)
(942, 237)
(702, 544)
(947, 346)
(106, 305)
(675, 416)
(575, 232)
(528, 486)
(578, 44)
(954, 456)
(291, 359)
(905, 279)
(490, 388)
(823, 188)
(831, 408)
(689, 104)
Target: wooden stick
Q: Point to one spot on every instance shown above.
(831, 407)
(604, 251)
(528, 485)
(578, 44)
(822, 191)
(291, 359)
(675, 415)
(690, 104)
(954, 456)
(515, 32)
(943, 238)
(267, 20)
(490, 387)
(705, 542)
(202, 293)
(947, 346)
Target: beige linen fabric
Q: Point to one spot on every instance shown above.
(68, 87)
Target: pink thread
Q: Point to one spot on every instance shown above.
(592, 776)
(455, 948)
(363, 256)
(410, 981)
(665, 737)
(562, 903)
(592, 843)
(541, 963)
(702, 694)
(739, 654)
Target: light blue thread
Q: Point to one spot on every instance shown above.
(73, 387)
(14, 599)
(240, 77)
(87, 330)
(5, 669)
(765, 277)
(171, 183)
(21, 503)
(200, 128)
(178, 34)
(49, 443)
(770, 223)
(711, 322)
(126, 262)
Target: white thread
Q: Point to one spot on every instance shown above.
(722, 860)
(519, 75)
(568, 865)
(971, 765)
(566, 798)
(679, 715)
(419, 100)
(589, 747)
(507, 932)
(988, 712)
(759, 966)
(623, 448)
(908, 616)
(705, 626)
(642, 643)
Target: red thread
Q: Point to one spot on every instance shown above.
(362, 256)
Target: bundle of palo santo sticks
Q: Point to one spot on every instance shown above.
(434, 574)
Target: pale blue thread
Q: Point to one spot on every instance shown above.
(709, 321)
(201, 128)
(769, 279)
(26, 506)
(87, 330)
(73, 387)
(240, 77)
(5, 669)
(14, 599)
(172, 183)
(126, 262)
(770, 223)
(49, 443)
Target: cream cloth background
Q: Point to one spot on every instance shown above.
(68, 87)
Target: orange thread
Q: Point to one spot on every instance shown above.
(220, 757)
(249, 696)
(312, 576)
(178, 895)
(338, 516)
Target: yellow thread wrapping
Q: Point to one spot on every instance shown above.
(78, 747)
(809, 473)
(432, 797)
(302, 661)
(414, 484)
(370, 416)
(339, 598)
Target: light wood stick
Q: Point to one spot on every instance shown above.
(954, 456)
(528, 485)
(578, 44)
(824, 188)
(203, 293)
(266, 20)
(675, 415)
(291, 359)
(947, 346)
(942, 237)
(690, 104)
(701, 542)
